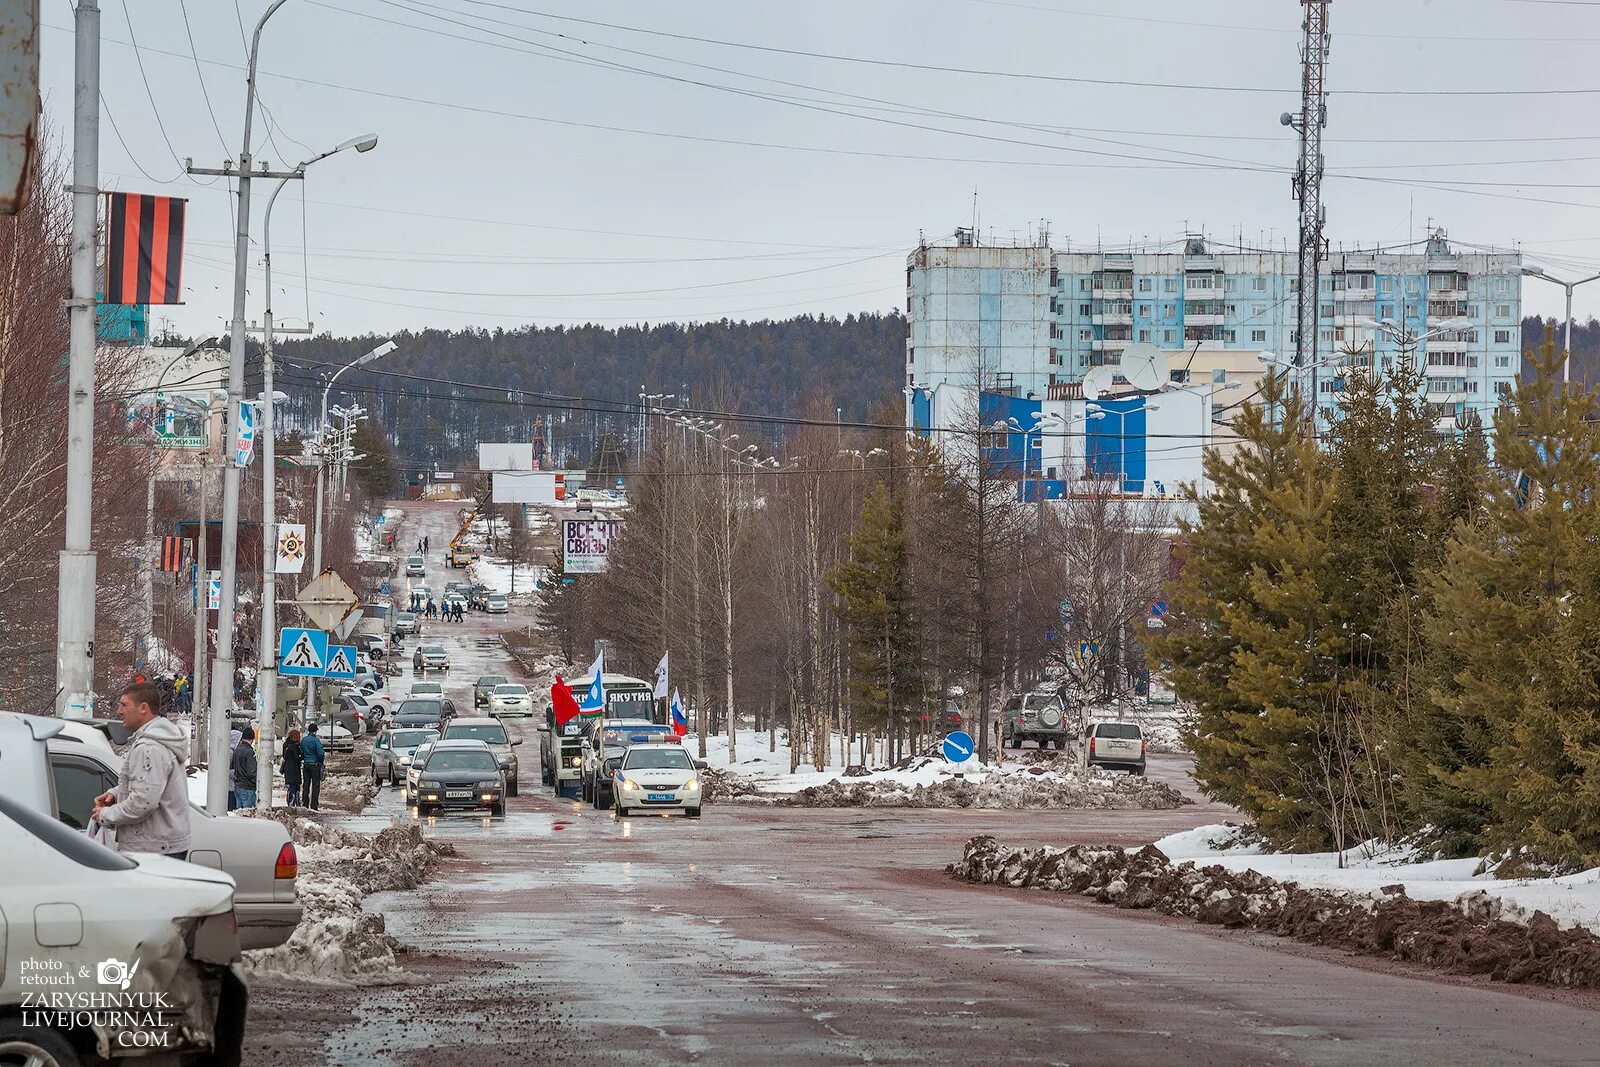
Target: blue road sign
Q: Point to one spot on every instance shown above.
(385, 589)
(382, 519)
(958, 746)
(1088, 651)
(1064, 612)
(341, 662)
(1158, 608)
(302, 652)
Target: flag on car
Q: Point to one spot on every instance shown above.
(661, 677)
(593, 703)
(680, 721)
(144, 249)
(562, 704)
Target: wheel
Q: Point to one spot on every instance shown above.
(393, 781)
(693, 813)
(597, 802)
(622, 811)
(498, 810)
(35, 1046)
(377, 779)
(511, 788)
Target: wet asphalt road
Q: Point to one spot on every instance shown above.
(562, 934)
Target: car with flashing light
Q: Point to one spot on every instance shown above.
(561, 745)
(657, 777)
(1115, 745)
(394, 749)
(510, 699)
(458, 774)
(603, 738)
(484, 686)
(491, 732)
(430, 658)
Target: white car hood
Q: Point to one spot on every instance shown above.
(664, 777)
(179, 871)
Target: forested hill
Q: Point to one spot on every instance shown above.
(764, 367)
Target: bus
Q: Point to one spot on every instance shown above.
(561, 750)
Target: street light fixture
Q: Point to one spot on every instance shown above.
(1531, 271)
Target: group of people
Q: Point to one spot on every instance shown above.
(303, 764)
(422, 545)
(431, 609)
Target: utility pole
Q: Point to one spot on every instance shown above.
(76, 582)
(1310, 122)
(198, 727)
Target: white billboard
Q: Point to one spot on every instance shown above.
(505, 457)
(585, 543)
(524, 487)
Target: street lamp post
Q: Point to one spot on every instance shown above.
(322, 440)
(1566, 336)
(267, 673)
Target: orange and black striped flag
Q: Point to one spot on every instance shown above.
(144, 249)
(172, 547)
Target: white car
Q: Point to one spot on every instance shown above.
(58, 766)
(510, 699)
(416, 567)
(496, 604)
(94, 923)
(427, 689)
(414, 770)
(656, 776)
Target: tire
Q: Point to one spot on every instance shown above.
(597, 804)
(498, 810)
(622, 812)
(377, 779)
(35, 1045)
(394, 783)
(511, 788)
(693, 813)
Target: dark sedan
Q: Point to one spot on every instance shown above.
(603, 782)
(423, 712)
(461, 774)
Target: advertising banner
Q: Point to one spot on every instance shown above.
(585, 542)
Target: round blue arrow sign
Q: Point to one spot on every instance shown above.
(958, 747)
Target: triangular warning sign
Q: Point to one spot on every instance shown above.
(303, 655)
(339, 663)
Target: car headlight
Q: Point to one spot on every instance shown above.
(430, 785)
(492, 784)
(405, 761)
(629, 784)
(575, 761)
(691, 785)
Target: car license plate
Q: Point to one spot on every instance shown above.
(659, 796)
(458, 794)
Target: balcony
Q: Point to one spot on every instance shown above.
(1114, 294)
(1197, 319)
(1112, 318)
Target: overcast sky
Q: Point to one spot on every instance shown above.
(536, 169)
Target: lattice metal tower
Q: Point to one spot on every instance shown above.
(1308, 178)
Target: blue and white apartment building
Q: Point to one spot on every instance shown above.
(1029, 322)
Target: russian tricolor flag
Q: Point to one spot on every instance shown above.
(680, 721)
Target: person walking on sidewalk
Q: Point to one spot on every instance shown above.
(292, 758)
(243, 766)
(149, 808)
(313, 757)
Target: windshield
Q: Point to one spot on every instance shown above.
(489, 681)
(496, 598)
(421, 707)
(462, 761)
(412, 738)
(377, 611)
(433, 650)
(405, 616)
(510, 690)
(494, 735)
(656, 758)
(629, 704)
(1122, 730)
(414, 561)
(67, 840)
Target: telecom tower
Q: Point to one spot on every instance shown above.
(1308, 179)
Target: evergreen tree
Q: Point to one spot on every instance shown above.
(377, 472)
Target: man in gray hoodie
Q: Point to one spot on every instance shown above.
(149, 807)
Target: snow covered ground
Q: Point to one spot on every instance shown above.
(497, 575)
(1570, 900)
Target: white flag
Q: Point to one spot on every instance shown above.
(661, 676)
(593, 701)
(291, 547)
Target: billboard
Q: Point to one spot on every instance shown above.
(171, 420)
(508, 457)
(585, 542)
(525, 487)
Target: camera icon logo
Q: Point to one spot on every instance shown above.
(115, 972)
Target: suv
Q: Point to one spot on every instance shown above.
(1038, 717)
(1115, 744)
(430, 658)
(493, 734)
(612, 737)
(416, 567)
(406, 624)
(485, 687)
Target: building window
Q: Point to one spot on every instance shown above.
(1144, 310)
(1169, 336)
(1169, 285)
(1219, 376)
(1052, 379)
(1258, 285)
(995, 440)
(1054, 358)
(1258, 337)
(1502, 337)
(1055, 331)
(1144, 336)
(1327, 335)
(1229, 284)
(1144, 285)
(1055, 278)
(1086, 335)
(1503, 310)
(1386, 311)
(1083, 310)
(1218, 411)
(1502, 388)
(1172, 311)
(1257, 310)
(1326, 311)
(1502, 362)
(911, 356)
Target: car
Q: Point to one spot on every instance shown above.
(1039, 717)
(406, 624)
(496, 604)
(367, 678)
(424, 592)
(414, 772)
(430, 658)
(114, 929)
(657, 777)
(58, 766)
(510, 698)
(360, 713)
(1115, 744)
(335, 736)
(373, 646)
(484, 686)
(612, 737)
(427, 689)
(604, 794)
(428, 712)
(492, 733)
(459, 774)
(393, 750)
(477, 594)
(416, 567)
(455, 599)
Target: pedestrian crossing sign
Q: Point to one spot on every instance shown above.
(302, 652)
(341, 661)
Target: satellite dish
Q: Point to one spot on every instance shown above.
(1145, 367)
(1097, 382)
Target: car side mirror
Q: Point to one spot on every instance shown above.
(517, 742)
(701, 765)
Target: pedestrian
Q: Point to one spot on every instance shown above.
(234, 737)
(312, 759)
(148, 808)
(292, 758)
(457, 608)
(243, 765)
(426, 543)
(433, 609)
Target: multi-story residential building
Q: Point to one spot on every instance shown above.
(1028, 320)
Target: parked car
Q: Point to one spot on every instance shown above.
(1115, 744)
(510, 698)
(496, 604)
(661, 777)
(454, 599)
(406, 624)
(416, 567)
(459, 774)
(423, 712)
(430, 658)
(485, 686)
(1039, 717)
(369, 679)
(392, 752)
(97, 915)
(58, 766)
(357, 714)
(335, 736)
(492, 733)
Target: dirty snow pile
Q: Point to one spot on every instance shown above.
(336, 940)
(1464, 936)
(930, 782)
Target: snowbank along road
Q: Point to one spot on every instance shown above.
(562, 934)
